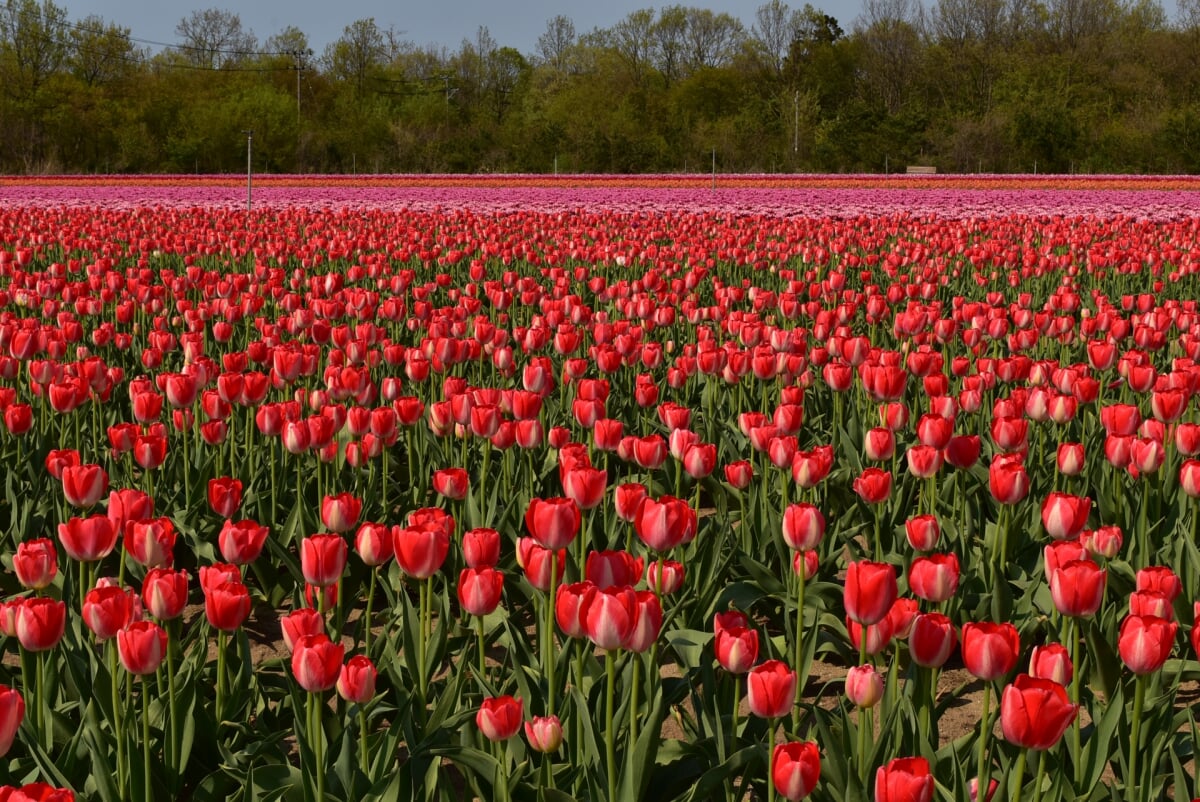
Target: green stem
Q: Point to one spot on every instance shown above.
(363, 752)
(319, 746)
(548, 657)
(367, 617)
(610, 742)
(800, 678)
(770, 759)
(1018, 777)
(421, 641)
(482, 648)
(1132, 782)
(985, 731)
(1039, 777)
(864, 718)
(220, 708)
(1077, 753)
(118, 729)
(146, 761)
(173, 742)
(737, 704)
(46, 722)
(633, 700)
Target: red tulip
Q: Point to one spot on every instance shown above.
(40, 623)
(736, 648)
(479, 590)
(609, 616)
(128, 505)
(1196, 628)
(700, 460)
(226, 605)
(544, 734)
(35, 564)
(1051, 661)
(963, 450)
(164, 593)
(373, 544)
(18, 419)
(151, 542)
(323, 559)
(904, 779)
(481, 548)
(58, 460)
(88, 539)
(1150, 603)
(923, 461)
(499, 718)
(84, 485)
(796, 768)
(1034, 713)
(1121, 420)
(538, 562)
(934, 578)
(873, 485)
(922, 532)
(585, 486)
(241, 542)
(150, 450)
(317, 662)
(142, 646)
(665, 523)
(869, 591)
(451, 483)
(568, 605)
(771, 689)
(224, 495)
(879, 444)
(990, 650)
(12, 712)
(1161, 578)
(627, 500)
(864, 686)
(608, 569)
(664, 576)
(803, 526)
(107, 610)
(1070, 459)
(1145, 642)
(339, 513)
(810, 467)
(932, 640)
(553, 523)
(739, 474)
(356, 680)
(1077, 588)
(1007, 478)
(647, 624)
(1064, 515)
(1103, 542)
(298, 623)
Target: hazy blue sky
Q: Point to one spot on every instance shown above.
(443, 22)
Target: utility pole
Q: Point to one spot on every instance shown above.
(299, 56)
(249, 151)
(796, 123)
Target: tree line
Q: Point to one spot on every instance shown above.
(964, 85)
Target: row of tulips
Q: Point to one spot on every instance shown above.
(572, 414)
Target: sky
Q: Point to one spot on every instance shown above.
(512, 23)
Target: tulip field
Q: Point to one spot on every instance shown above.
(600, 488)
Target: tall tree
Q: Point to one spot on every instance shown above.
(214, 38)
(554, 45)
(358, 55)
